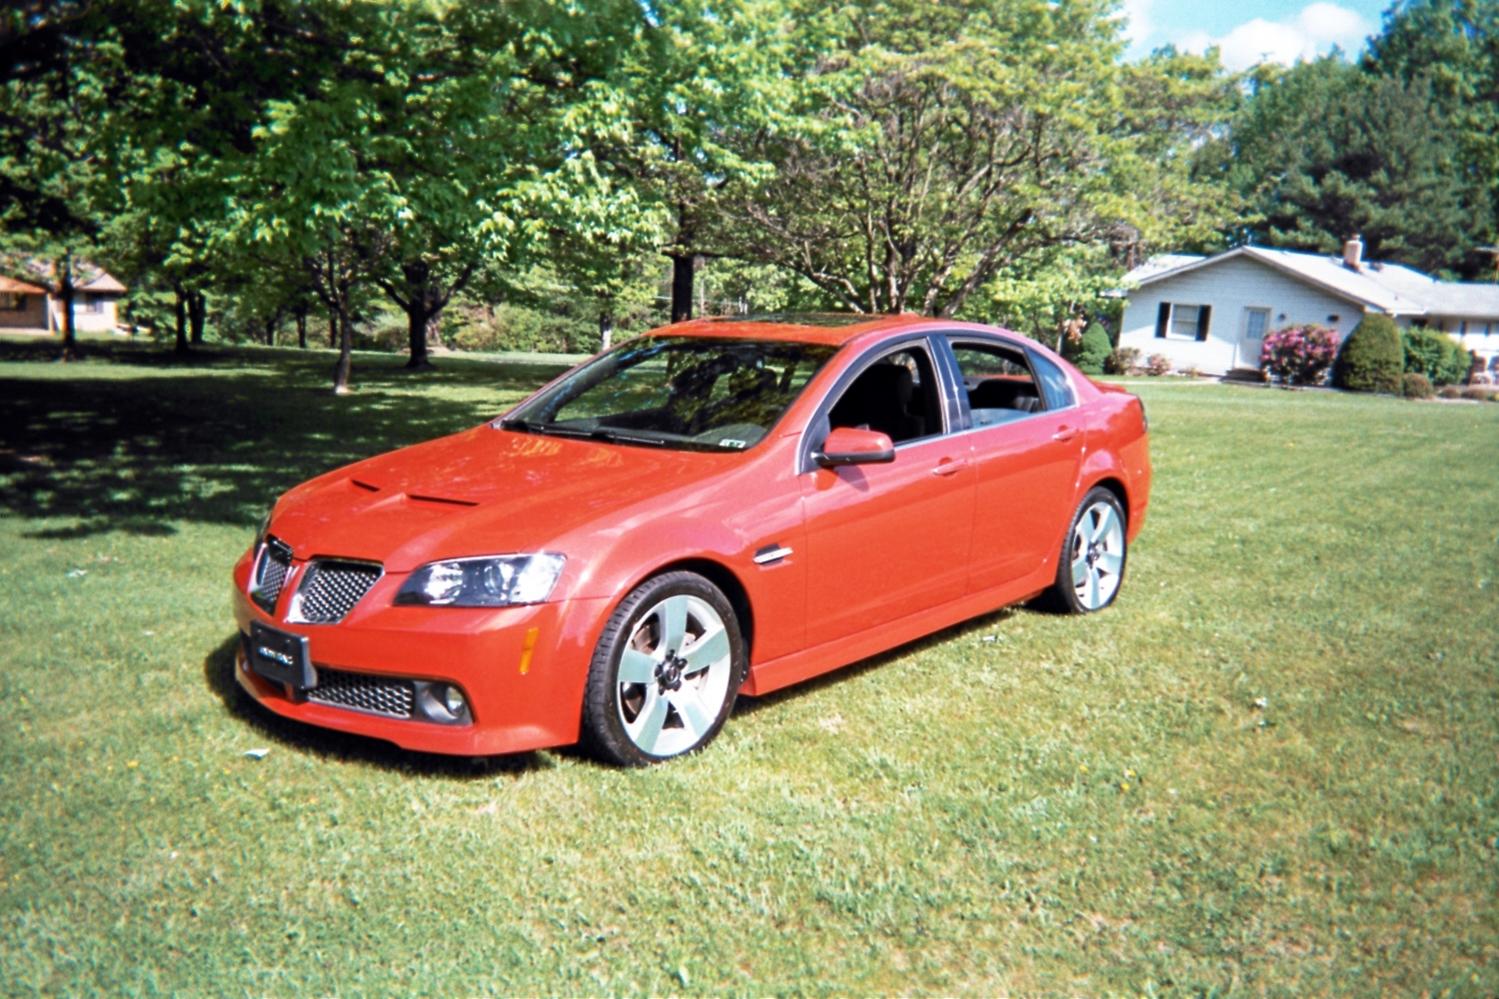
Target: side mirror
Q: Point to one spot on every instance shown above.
(847, 446)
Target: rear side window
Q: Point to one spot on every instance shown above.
(1055, 388)
(998, 382)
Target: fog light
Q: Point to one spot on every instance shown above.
(443, 703)
(452, 699)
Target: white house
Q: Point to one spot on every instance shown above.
(1212, 313)
(31, 301)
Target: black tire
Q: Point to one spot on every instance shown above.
(1090, 569)
(677, 689)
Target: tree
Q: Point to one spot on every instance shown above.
(1325, 151)
(53, 95)
(945, 147)
(1453, 45)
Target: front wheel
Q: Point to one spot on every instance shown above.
(665, 673)
(1093, 555)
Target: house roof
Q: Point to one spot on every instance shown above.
(15, 287)
(87, 276)
(1390, 288)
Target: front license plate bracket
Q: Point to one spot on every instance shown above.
(281, 657)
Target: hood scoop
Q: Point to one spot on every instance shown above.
(424, 498)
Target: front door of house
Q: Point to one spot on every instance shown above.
(1252, 337)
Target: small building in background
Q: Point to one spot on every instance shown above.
(31, 299)
(1211, 314)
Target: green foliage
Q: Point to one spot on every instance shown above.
(1371, 359)
(1435, 355)
(1089, 349)
(1414, 385)
(944, 147)
(1324, 151)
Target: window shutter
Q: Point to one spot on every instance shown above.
(1162, 319)
(1202, 322)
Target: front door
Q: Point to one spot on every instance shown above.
(888, 540)
(1252, 338)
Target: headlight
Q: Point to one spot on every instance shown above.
(486, 581)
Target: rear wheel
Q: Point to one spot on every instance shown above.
(1091, 568)
(665, 673)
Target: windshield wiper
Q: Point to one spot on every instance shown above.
(605, 434)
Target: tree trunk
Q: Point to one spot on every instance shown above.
(332, 328)
(423, 304)
(182, 347)
(197, 311)
(69, 331)
(345, 364)
(606, 329)
(302, 327)
(682, 267)
(270, 330)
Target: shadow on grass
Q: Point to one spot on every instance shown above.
(136, 442)
(218, 673)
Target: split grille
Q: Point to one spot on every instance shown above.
(363, 692)
(330, 589)
(270, 574)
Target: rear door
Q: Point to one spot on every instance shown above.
(1025, 438)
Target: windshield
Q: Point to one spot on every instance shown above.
(683, 392)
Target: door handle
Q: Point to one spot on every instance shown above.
(950, 466)
(1064, 435)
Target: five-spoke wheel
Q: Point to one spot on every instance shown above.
(1093, 555)
(665, 673)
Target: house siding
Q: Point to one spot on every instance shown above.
(31, 316)
(1230, 287)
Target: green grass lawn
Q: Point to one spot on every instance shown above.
(1273, 766)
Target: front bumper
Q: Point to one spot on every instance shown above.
(522, 669)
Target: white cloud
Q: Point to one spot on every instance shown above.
(1312, 32)
(1137, 25)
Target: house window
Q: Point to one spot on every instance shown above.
(1255, 321)
(1182, 322)
(12, 301)
(93, 302)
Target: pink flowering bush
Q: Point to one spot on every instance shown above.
(1299, 355)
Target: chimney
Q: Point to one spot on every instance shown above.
(1353, 253)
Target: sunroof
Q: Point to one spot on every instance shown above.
(829, 319)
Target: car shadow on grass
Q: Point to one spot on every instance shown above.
(218, 674)
(749, 705)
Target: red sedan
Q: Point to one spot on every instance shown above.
(713, 508)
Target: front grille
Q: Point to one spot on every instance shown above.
(376, 694)
(270, 574)
(330, 589)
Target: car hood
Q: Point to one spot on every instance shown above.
(484, 491)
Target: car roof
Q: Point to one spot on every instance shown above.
(833, 329)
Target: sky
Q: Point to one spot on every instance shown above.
(1252, 31)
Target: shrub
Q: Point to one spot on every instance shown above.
(1414, 385)
(1450, 392)
(1089, 350)
(1157, 365)
(1436, 355)
(1299, 355)
(1372, 359)
(1123, 361)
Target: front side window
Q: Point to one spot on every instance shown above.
(998, 381)
(896, 395)
(693, 393)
